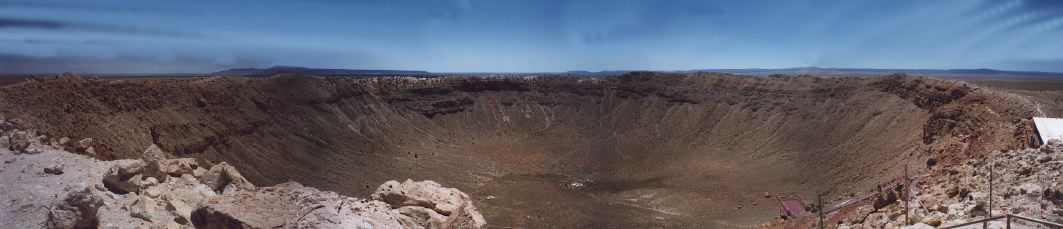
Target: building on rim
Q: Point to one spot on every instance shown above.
(1049, 128)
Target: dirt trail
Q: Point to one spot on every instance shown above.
(698, 149)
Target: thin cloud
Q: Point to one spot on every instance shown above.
(652, 19)
(17, 64)
(53, 25)
(31, 23)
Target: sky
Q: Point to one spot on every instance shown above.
(197, 36)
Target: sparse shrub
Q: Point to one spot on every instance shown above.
(964, 192)
(979, 209)
(1053, 195)
(224, 178)
(952, 191)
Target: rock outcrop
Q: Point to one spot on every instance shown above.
(291, 205)
(159, 192)
(414, 198)
(428, 194)
(1025, 182)
(76, 210)
(223, 175)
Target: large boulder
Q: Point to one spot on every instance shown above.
(135, 211)
(1031, 189)
(120, 178)
(153, 157)
(428, 194)
(5, 142)
(7, 125)
(84, 144)
(19, 141)
(465, 217)
(183, 195)
(424, 217)
(876, 220)
(76, 210)
(291, 205)
(55, 168)
(221, 175)
(160, 166)
(177, 167)
(153, 153)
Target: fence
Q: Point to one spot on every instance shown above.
(1007, 222)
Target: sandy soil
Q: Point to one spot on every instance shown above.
(26, 187)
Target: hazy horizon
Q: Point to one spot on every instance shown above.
(113, 36)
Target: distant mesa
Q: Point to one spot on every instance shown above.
(749, 71)
(879, 71)
(314, 71)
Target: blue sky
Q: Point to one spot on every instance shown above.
(107, 36)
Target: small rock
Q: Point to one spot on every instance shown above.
(142, 204)
(91, 152)
(182, 211)
(935, 219)
(576, 185)
(1055, 142)
(177, 167)
(199, 172)
(918, 226)
(1044, 158)
(957, 209)
(152, 192)
(5, 142)
(54, 169)
(862, 212)
(156, 217)
(85, 144)
(876, 220)
(229, 190)
(1031, 189)
(63, 141)
(153, 153)
(7, 126)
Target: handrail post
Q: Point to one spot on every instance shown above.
(819, 201)
(1007, 221)
(989, 209)
(907, 195)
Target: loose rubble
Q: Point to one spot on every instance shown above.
(60, 188)
(1025, 182)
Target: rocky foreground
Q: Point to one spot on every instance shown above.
(1026, 182)
(56, 184)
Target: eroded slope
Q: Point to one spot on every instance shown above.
(648, 149)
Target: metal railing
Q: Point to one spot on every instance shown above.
(1007, 222)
